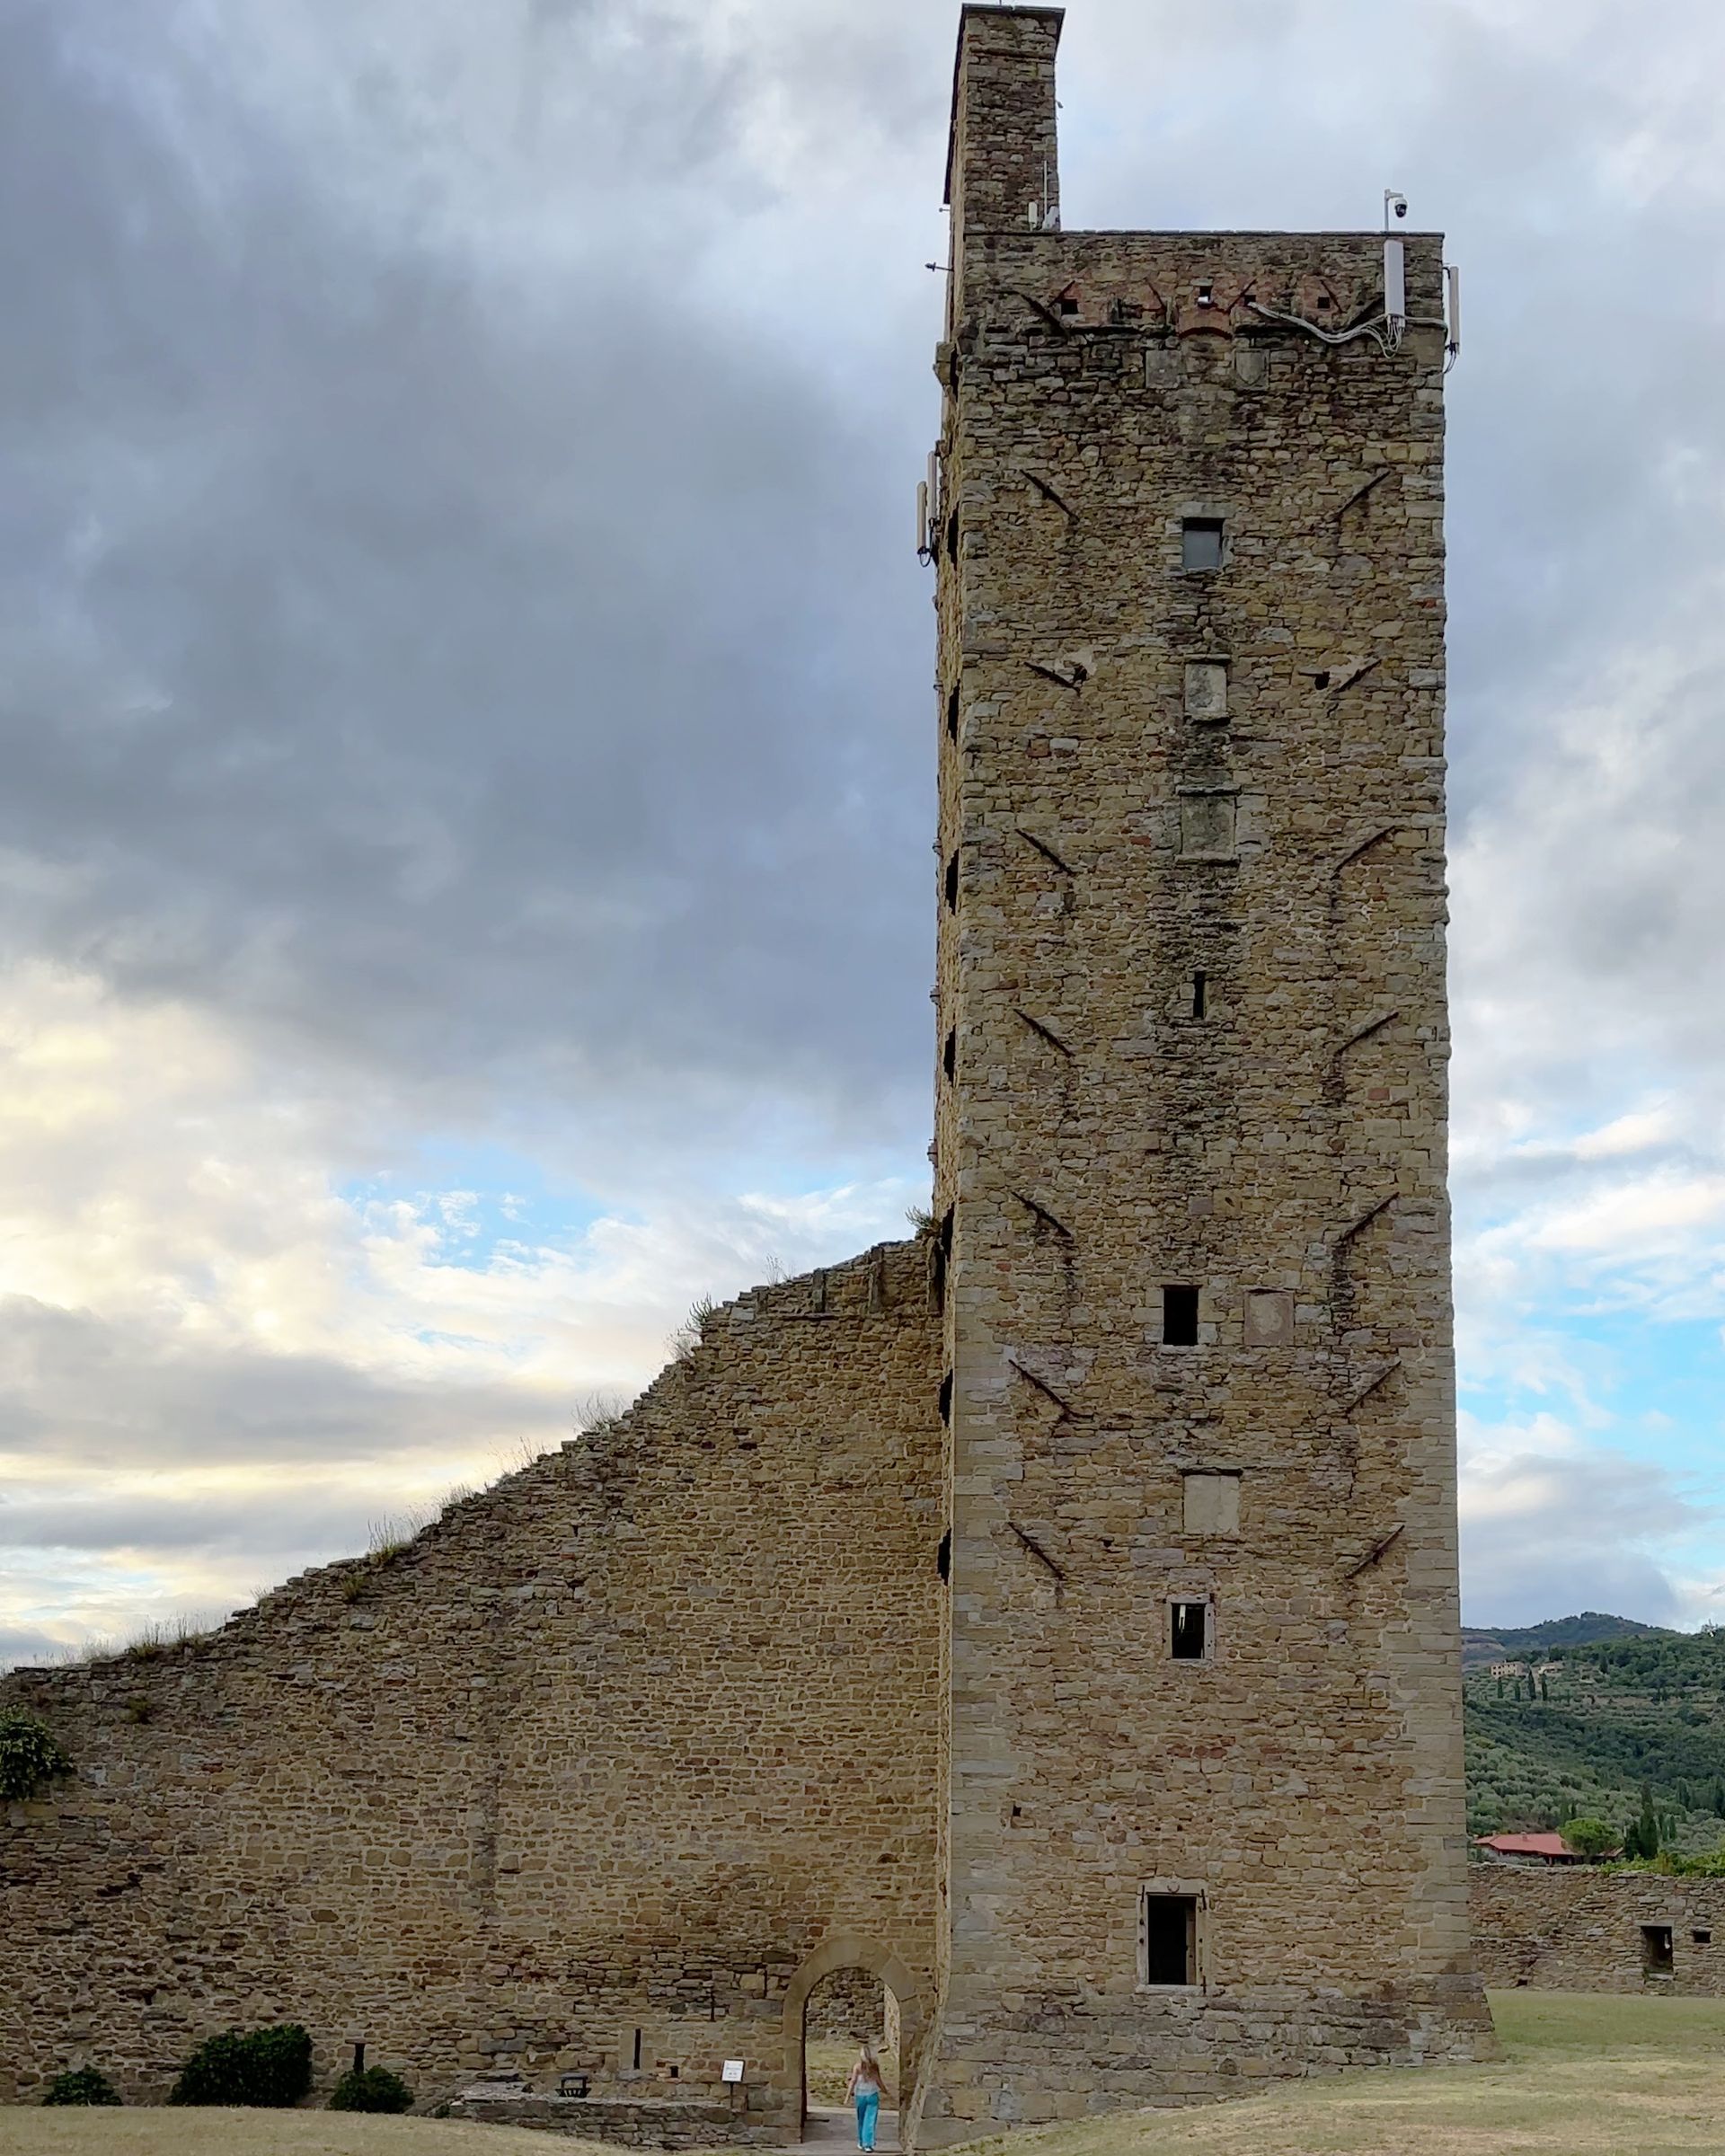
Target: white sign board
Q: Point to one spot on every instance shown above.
(733, 2070)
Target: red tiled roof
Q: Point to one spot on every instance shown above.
(1527, 1845)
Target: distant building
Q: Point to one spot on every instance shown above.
(1533, 1848)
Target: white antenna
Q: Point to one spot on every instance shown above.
(1453, 292)
(922, 518)
(1395, 270)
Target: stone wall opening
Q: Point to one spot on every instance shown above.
(1658, 1956)
(844, 2009)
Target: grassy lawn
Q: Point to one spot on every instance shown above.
(1583, 2076)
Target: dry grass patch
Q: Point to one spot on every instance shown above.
(1582, 2076)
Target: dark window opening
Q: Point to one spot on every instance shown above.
(953, 536)
(1200, 542)
(944, 1556)
(1189, 1630)
(672, 2070)
(946, 1230)
(637, 2058)
(946, 1398)
(952, 716)
(952, 885)
(1170, 1939)
(1324, 303)
(1179, 1317)
(950, 1055)
(1066, 303)
(1207, 293)
(1658, 1957)
(1702, 1939)
(1200, 988)
(358, 2058)
(1321, 680)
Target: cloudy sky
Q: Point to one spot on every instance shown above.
(465, 873)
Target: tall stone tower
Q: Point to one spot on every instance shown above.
(1203, 1808)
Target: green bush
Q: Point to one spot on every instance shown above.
(372, 2088)
(88, 2085)
(28, 1756)
(269, 2070)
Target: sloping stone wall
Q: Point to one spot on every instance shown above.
(1581, 1929)
(578, 1780)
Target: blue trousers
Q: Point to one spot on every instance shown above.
(868, 2110)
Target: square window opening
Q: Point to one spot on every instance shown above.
(1189, 1630)
(1702, 1939)
(1658, 1957)
(1179, 1317)
(1168, 1938)
(1200, 542)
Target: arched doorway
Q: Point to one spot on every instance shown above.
(843, 2008)
(870, 1993)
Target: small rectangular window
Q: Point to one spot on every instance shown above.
(1200, 542)
(950, 1055)
(1702, 1939)
(1168, 1938)
(1179, 1317)
(1657, 1958)
(952, 885)
(1189, 1630)
(1200, 994)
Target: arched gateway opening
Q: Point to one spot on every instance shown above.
(848, 1990)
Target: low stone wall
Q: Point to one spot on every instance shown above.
(638, 2121)
(1581, 1929)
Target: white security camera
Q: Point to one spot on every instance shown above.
(1393, 202)
(1401, 206)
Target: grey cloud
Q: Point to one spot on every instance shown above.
(1542, 1534)
(87, 1395)
(485, 682)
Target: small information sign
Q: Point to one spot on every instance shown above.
(733, 2070)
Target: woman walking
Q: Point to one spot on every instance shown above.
(865, 2089)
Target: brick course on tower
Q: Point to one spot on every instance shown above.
(1053, 1617)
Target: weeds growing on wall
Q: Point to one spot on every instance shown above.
(268, 2069)
(29, 1757)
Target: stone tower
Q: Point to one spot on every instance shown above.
(1203, 1812)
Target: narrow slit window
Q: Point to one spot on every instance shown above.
(1189, 1629)
(1200, 994)
(950, 1055)
(952, 885)
(635, 2062)
(1656, 1956)
(1168, 1938)
(953, 536)
(952, 716)
(946, 1398)
(1200, 542)
(944, 1556)
(1179, 1317)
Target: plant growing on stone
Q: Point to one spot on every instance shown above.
(270, 2069)
(84, 2085)
(371, 2088)
(30, 1757)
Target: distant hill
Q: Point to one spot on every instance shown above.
(1595, 1709)
(1502, 1644)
